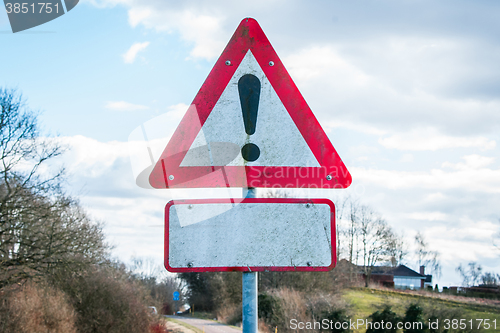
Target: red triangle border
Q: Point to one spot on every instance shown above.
(167, 172)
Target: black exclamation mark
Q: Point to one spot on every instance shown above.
(249, 89)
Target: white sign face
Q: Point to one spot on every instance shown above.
(250, 235)
(276, 135)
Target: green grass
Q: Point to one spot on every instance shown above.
(365, 301)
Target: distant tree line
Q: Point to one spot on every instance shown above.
(365, 239)
(472, 274)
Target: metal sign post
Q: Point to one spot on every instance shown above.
(250, 305)
(250, 289)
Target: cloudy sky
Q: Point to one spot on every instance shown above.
(407, 91)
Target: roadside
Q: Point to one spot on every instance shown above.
(176, 326)
(196, 325)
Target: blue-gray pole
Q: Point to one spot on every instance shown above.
(249, 306)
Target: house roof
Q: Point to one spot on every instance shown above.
(400, 271)
(381, 270)
(403, 271)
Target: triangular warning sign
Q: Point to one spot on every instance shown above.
(249, 126)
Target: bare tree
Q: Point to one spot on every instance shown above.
(397, 250)
(341, 206)
(471, 275)
(147, 268)
(40, 227)
(160, 284)
(363, 237)
(490, 279)
(352, 233)
(367, 239)
(425, 256)
(377, 239)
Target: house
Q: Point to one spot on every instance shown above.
(400, 277)
(407, 278)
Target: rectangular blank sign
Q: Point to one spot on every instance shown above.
(251, 234)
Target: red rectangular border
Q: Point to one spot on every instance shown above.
(252, 268)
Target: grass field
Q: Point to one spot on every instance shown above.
(366, 301)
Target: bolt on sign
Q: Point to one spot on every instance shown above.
(249, 126)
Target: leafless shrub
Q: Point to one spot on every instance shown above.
(290, 304)
(107, 300)
(36, 308)
(230, 314)
(278, 308)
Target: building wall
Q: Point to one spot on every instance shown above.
(382, 279)
(407, 282)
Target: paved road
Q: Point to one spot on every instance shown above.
(209, 325)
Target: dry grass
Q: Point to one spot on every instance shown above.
(291, 305)
(229, 314)
(287, 304)
(36, 308)
(264, 328)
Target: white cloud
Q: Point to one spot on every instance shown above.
(436, 196)
(138, 15)
(131, 54)
(358, 127)
(472, 178)
(124, 106)
(147, 141)
(407, 158)
(314, 62)
(176, 112)
(472, 162)
(203, 31)
(429, 216)
(454, 239)
(88, 157)
(430, 139)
